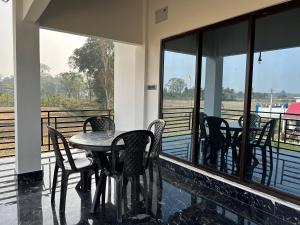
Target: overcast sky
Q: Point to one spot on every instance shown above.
(55, 47)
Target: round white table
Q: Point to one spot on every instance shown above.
(99, 143)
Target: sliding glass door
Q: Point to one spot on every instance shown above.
(275, 160)
(222, 97)
(179, 56)
(231, 99)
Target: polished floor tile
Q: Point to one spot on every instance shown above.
(171, 199)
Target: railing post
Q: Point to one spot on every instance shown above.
(278, 146)
(285, 127)
(42, 132)
(48, 118)
(55, 122)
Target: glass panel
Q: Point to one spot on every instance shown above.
(275, 151)
(178, 95)
(222, 97)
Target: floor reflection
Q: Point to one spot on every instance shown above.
(170, 199)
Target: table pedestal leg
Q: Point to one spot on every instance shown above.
(99, 191)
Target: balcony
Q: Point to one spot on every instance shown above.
(172, 60)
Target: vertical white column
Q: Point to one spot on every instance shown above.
(213, 86)
(129, 87)
(27, 92)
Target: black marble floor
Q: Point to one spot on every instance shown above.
(172, 199)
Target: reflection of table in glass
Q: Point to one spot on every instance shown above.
(99, 144)
(237, 128)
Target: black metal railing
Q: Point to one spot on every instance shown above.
(69, 122)
(286, 136)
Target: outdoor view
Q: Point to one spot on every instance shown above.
(76, 77)
(273, 160)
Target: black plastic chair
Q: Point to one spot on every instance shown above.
(202, 135)
(133, 164)
(102, 123)
(263, 142)
(157, 127)
(218, 139)
(68, 166)
(254, 121)
(202, 115)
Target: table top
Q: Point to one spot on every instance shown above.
(95, 141)
(235, 126)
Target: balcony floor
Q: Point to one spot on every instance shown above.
(174, 201)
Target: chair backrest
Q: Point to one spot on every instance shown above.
(157, 127)
(218, 134)
(102, 123)
(55, 136)
(267, 132)
(202, 115)
(254, 120)
(134, 162)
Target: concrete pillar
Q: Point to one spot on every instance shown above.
(27, 93)
(129, 86)
(213, 86)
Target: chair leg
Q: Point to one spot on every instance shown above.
(96, 172)
(98, 192)
(124, 194)
(118, 192)
(54, 184)
(264, 159)
(271, 157)
(63, 191)
(109, 189)
(103, 192)
(146, 199)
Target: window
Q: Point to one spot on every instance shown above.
(178, 95)
(216, 79)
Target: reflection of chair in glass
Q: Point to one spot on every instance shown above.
(263, 142)
(202, 135)
(254, 121)
(101, 123)
(69, 166)
(217, 141)
(133, 165)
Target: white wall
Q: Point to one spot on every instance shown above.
(129, 86)
(184, 16)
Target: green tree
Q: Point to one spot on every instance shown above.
(72, 84)
(176, 86)
(49, 84)
(96, 59)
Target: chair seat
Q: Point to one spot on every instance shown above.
(80, 163)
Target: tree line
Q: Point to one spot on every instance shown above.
(176, 88)
(88, 83)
